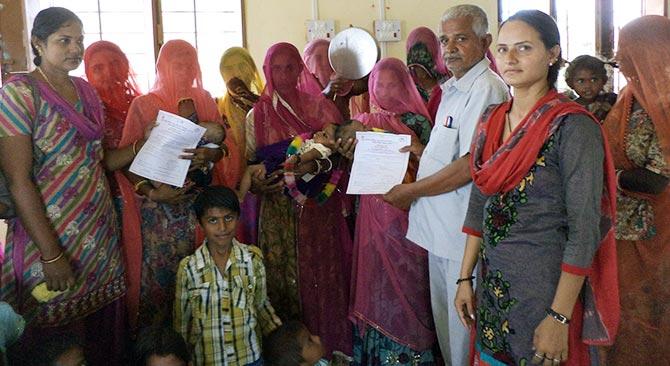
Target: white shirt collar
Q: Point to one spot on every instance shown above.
(465, 82)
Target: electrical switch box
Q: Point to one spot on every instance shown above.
(387, 30)
(317, 29)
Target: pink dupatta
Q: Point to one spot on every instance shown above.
(276, 119)
(315, 56)
(427, 37)
(391, 287)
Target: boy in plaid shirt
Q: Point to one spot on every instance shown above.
(221, 300)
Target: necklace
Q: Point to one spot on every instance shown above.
(508, 124)
(39, 69)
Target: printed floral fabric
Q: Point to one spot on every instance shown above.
(493, 313)
(419, 124)
(600, 107)
(72, 185)
(168, 233)
(635, 216)
(375, 349)
(419, 54)
(277, 237)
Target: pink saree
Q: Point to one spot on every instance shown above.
(391, 287)
(304, 247)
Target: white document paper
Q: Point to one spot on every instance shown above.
(378, 163)
(158, 159)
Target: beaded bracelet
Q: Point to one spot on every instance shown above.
(468, 279)
(47, 261)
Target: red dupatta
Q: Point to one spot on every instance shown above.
(498, 167)
(174, 57)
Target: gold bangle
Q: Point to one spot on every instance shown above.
(47, 261)
(224, 149)
(150, 192)
(139, 184)
(135, 148)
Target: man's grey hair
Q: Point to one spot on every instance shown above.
(480, 23)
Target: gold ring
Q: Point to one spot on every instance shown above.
(539, 355)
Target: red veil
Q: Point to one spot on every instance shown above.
(175, 56)
(644, 265)
(323, 240)
(119, 75)
(116, 86)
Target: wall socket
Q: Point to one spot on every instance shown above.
(387, 30)
(317, 29)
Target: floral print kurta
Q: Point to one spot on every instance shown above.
(550, 219)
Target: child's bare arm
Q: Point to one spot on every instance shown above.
(308, 156)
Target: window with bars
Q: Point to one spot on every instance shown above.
(211, 26)
(140, 27)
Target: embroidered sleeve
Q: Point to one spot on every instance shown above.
(656, 159)
(17, 109)
(581, 159)
(474, 218)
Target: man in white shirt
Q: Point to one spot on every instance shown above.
(439, 197)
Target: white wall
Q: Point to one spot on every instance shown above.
(271, 21)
